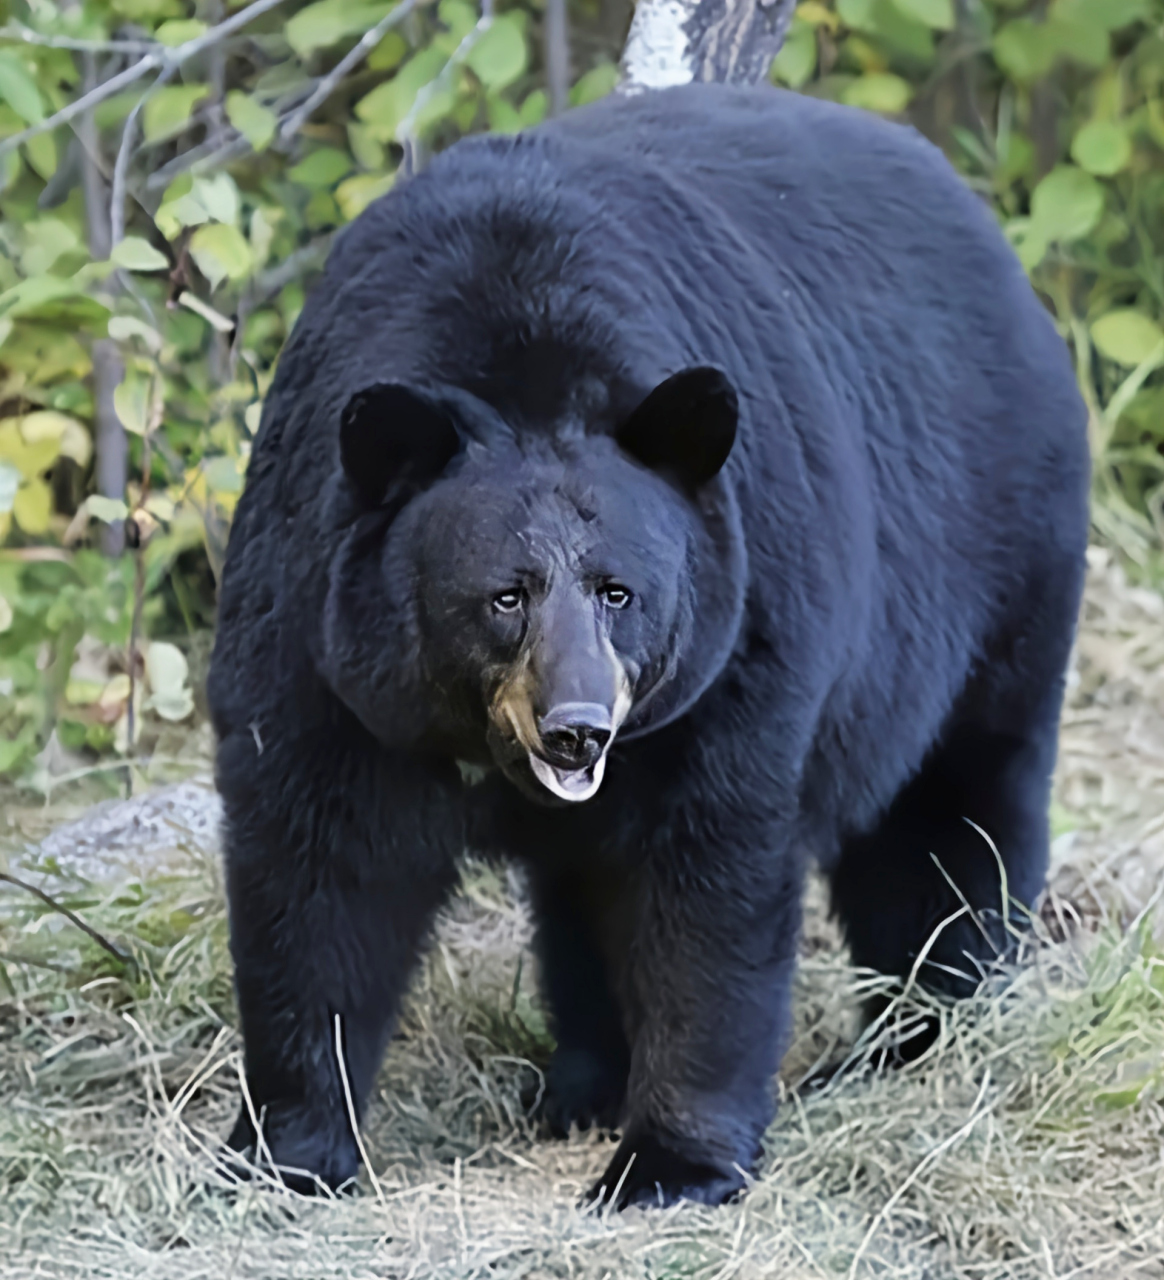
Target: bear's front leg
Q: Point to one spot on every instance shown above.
(336, 860)
(710, 977)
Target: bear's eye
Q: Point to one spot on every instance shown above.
(508, 601)
(614, 595)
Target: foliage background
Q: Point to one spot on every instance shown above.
(156, 249)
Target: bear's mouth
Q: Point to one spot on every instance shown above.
(573, 785)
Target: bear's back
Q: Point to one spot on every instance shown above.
(855, 291)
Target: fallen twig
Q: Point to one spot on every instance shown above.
(73, 918)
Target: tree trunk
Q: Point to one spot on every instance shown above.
(674, 42)
(557, 42)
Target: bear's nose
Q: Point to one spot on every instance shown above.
(574, 734)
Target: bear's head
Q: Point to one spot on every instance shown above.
(521, 599)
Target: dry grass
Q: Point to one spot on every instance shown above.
(1029, 1143)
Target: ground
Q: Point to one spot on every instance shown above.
(1030, 1143)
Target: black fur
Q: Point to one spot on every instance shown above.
(842, 643)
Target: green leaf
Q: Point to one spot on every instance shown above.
(533, 109)
(173, 215)
(796, 61)
(107, 510)
(167, 110)
(1127, 336)
(31, 295)
(222, 475)
(18, 88)
(500, 56)
(178, 30)
(388, 103)
(67, 434)
(938, 14)
(135, 254)
(61, 302)
(32, 507)
(389, 53)
(254, 121)
(503, 116)
(13, 751)
(1111, 15)
(595, 84)
(221, 253)
(903, 34)
(46, 239)
(263, 222)
(218, 196)
(182, 185)
(112, 112)
(878, 91)
(459, 17)
(1016, 158)
(322, 168)
(42, 154)
(10, 165)
(354, 195)
(1066, 205)
(367, 151)
(436, 103)
(167, 672)
(1102, 148)
(131, 400)
(1025, 50)
(125, 328)
(320, 25)
(856, 14)
(1080, 40)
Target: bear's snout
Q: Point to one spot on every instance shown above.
(575, 734)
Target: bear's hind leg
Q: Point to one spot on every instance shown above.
(586, 1078)
(924, 862)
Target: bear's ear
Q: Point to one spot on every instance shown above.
(393, 437)
(685, 428)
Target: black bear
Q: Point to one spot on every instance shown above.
(701, 467)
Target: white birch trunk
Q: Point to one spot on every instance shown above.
(674, 42)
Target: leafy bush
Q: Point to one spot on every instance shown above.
(1055, 113)
(236, 141)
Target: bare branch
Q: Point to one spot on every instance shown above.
(110, 447)
(157, 409)
(121, 168)
(159, 57)
(675, 42)
(327, 85)
(93, 173)
(212, 153)
(207, 155)
(25, 36)
(310, 257)
(557, 47)
(406, 129)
